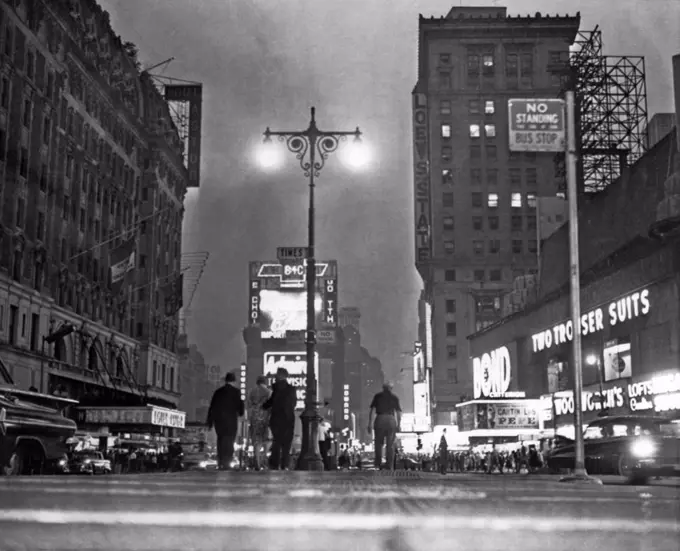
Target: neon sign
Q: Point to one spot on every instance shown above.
(492, 374)
(619, 311)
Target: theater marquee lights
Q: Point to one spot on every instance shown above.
(625, 309)
(345, 403)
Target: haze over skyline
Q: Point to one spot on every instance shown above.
(264, 63)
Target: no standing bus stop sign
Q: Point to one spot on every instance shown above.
(537, 125)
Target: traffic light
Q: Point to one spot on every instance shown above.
(420, 444)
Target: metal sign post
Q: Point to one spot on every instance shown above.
(579, 474)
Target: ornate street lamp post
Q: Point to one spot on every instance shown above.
(311, 147)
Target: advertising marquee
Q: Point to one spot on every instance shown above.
(145, 415)
(499, 417)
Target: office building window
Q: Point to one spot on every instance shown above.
(450, 328)
(516, 200)
(445, 107)
(517, 248)
(495, 275)
(474, 131)
(491, 152)
(450, 275)
(4, 92)
(490, 130)
(472, 66)
(446, 131)
(23, 163)
(35, 332)
(516, 223)
(444, 59)
(532, 246)
(494, 246)
(493, 222)
(489, 107)
(473, 106)
(447, 153)
(447, 222)
(515, 175)
(530, 157)
(515, 156)
(478, 247)
(447, 199)
(20, 213)
(531, 176)
(492, 177)
(450, 305)
(531, 200)
(444, 80)
(477, 200)
(492, 200)
(531, 222)
(40, 227)
(452, 352)
(452, 375)
(477, 223)
(447, 176)
(475, 152)
(479, 275)
(476, 176)
(488, 64)
(449, 247)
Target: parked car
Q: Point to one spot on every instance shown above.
(33, 430)
(89, 462)
(636, 447)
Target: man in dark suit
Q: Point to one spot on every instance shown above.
(226, 407)
(282, 420)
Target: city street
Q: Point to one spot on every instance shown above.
(339, 510)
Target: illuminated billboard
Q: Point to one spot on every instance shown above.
(296, 365)
(277, 301)
(421, 391)
(286, 310)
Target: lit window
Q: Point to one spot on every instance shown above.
(490, 107)
(446, 130)
(447, 222)
(492, 200)
(490, 130)
(445, 107)
(487, 60)
(516, 200)
(478, 248)
(447, 176)
(474, 131)
(531, 200)
(449, 247)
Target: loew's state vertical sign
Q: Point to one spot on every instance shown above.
(421, 174)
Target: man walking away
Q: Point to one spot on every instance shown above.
(387, 421)
(443, 454)
(281, 406)
(324, 442)
(226, 407)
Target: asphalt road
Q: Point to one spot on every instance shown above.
(329, 511)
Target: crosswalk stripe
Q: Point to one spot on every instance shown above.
(226, 493)
(335, 522)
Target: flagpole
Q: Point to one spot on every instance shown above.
(118, 235)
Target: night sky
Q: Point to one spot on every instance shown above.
(264, 63)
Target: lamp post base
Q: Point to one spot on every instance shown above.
(581, 477)
(310, 457)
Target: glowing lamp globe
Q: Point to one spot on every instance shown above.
(356, 155)
(269, 156)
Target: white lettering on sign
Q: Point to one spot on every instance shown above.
(536, 125)
(330, 302)
(296, 365)
(168, 418)
(293, 270)
(591, 401)
(492, 373)
(421, 177)
(667, 402)
(651, 394)
(624, 309)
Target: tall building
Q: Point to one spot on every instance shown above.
(475, 218)
(93, 176)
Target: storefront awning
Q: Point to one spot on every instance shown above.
(144, 415)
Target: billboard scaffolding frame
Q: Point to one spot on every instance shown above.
(611, 95)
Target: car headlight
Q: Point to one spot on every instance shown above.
(87, 461)
(203, 465)
(643, 448)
